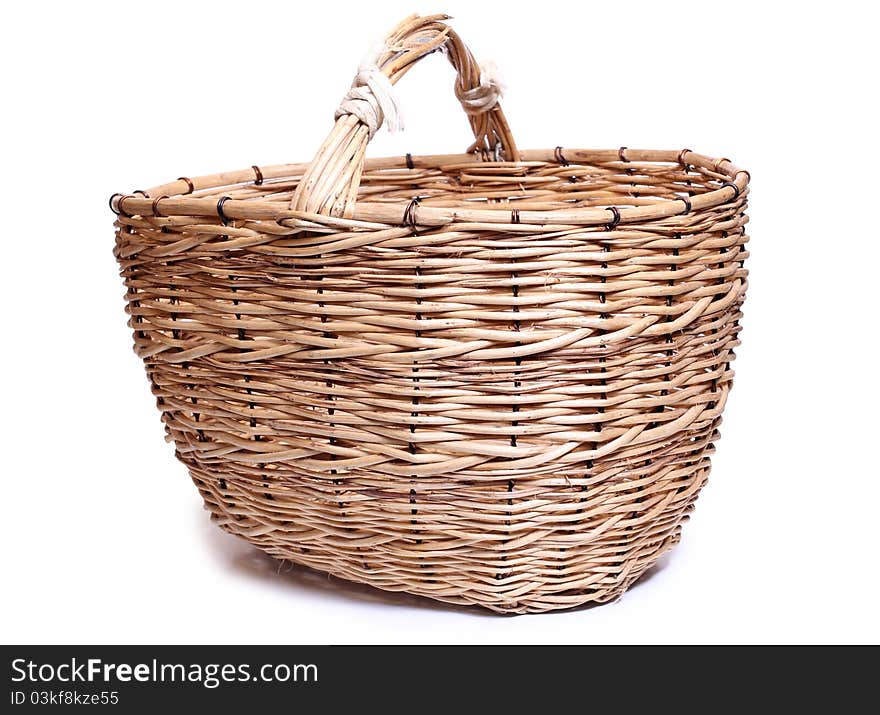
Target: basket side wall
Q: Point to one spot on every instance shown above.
(516, 420)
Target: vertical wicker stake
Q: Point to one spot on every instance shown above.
(486, 382)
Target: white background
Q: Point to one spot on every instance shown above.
(103, 535)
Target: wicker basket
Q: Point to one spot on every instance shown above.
(491, 378)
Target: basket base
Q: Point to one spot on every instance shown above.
(545, 569)
(537, 599)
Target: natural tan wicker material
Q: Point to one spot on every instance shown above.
(490, 382)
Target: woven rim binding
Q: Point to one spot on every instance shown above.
(394, 214)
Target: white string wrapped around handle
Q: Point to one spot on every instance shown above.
(372, 98)
(486, 94)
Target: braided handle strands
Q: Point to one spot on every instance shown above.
(331, 183)
(486, 382)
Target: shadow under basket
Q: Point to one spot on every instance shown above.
(492, 378)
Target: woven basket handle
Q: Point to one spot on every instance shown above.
(330, 184)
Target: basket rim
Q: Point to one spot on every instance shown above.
(171, 199)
